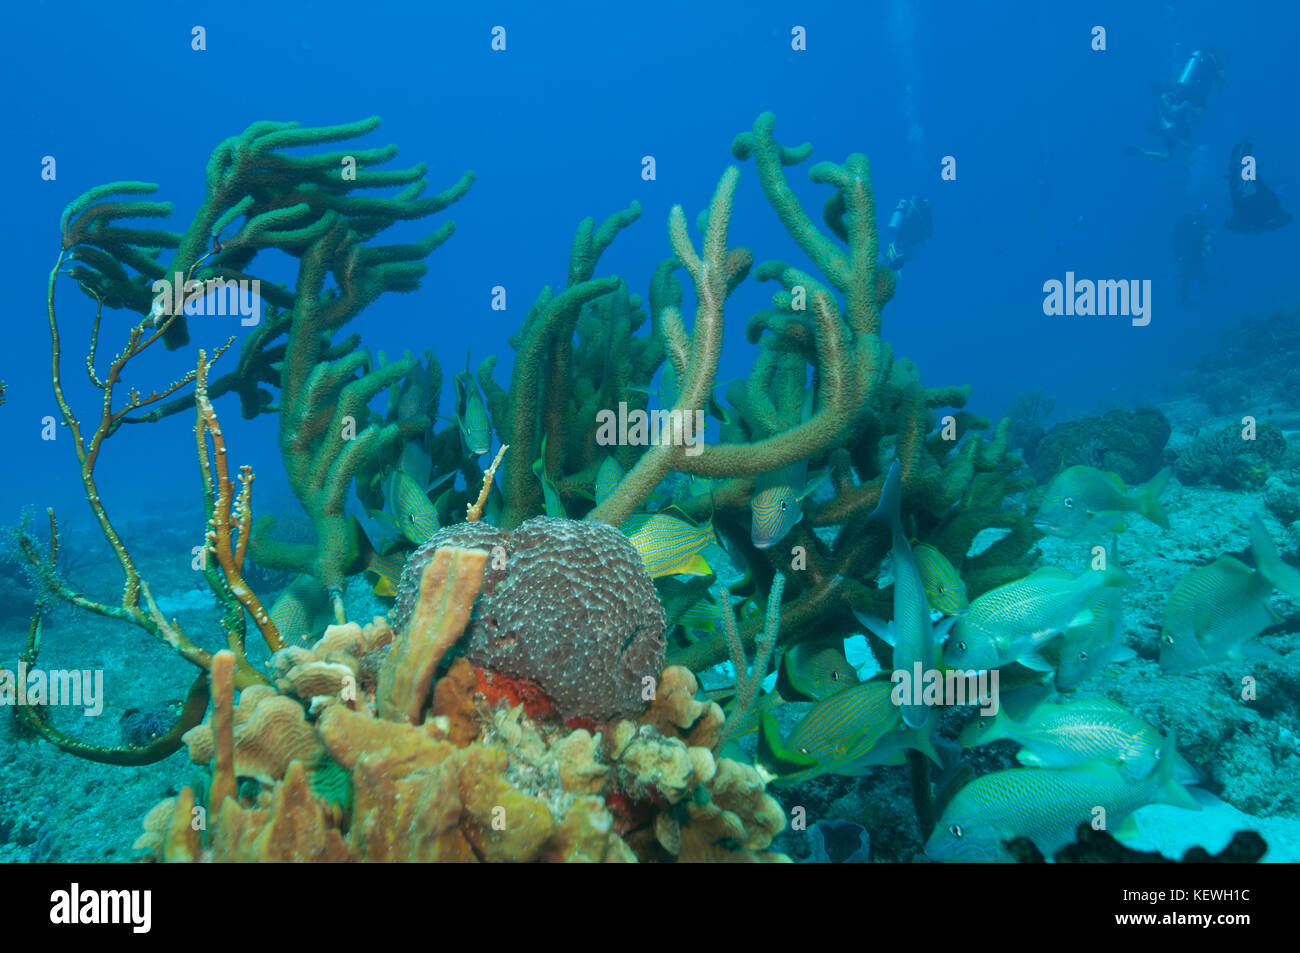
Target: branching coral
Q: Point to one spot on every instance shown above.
(317, 209)
(825, 387)
(229, 516)
(865, 406)
(351, 756)
(555, 388)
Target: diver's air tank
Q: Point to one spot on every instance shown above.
(899, 214)
(1198, 76)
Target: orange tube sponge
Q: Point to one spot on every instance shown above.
(449, 584)
(223, 709)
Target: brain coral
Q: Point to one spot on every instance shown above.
(570, 607)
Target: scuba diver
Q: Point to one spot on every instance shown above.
(1193, 242)
(1255, 207)
(1180, 103)
(909, 225)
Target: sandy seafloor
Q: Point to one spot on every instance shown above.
(56, 807)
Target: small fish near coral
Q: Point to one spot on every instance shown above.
(1215, 612)
(1084, 501)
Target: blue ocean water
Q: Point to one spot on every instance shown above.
(555, 128)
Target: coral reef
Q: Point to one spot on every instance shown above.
(865, 406)
(555, 731)
(315, 209)
(1128, 443)
(1252, 364)
(229, 515)
(344, 784)
(1231, 459)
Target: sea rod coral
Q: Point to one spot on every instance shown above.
(320, 210)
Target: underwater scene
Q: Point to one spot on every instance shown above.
(818, 433)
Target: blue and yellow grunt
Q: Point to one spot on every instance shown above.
(669, 545)
(813, 671)
(777, 504)
(1046, 805)
(412, 513)
(471, 413)
(847, 733)
(301, 611)
(550, 494)
(944, 586)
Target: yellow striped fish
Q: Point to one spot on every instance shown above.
(471, 413)
(670, 546)
(1046, 805)
(414, 393)
(387, 570)
(814, 671)
(301, 611)
(1216, 611)
(704, 614)
(777, 504)
(1013, 622)
(411, 509)
(859, 715)
(944, 587)
(607, 478)
(844, 734)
